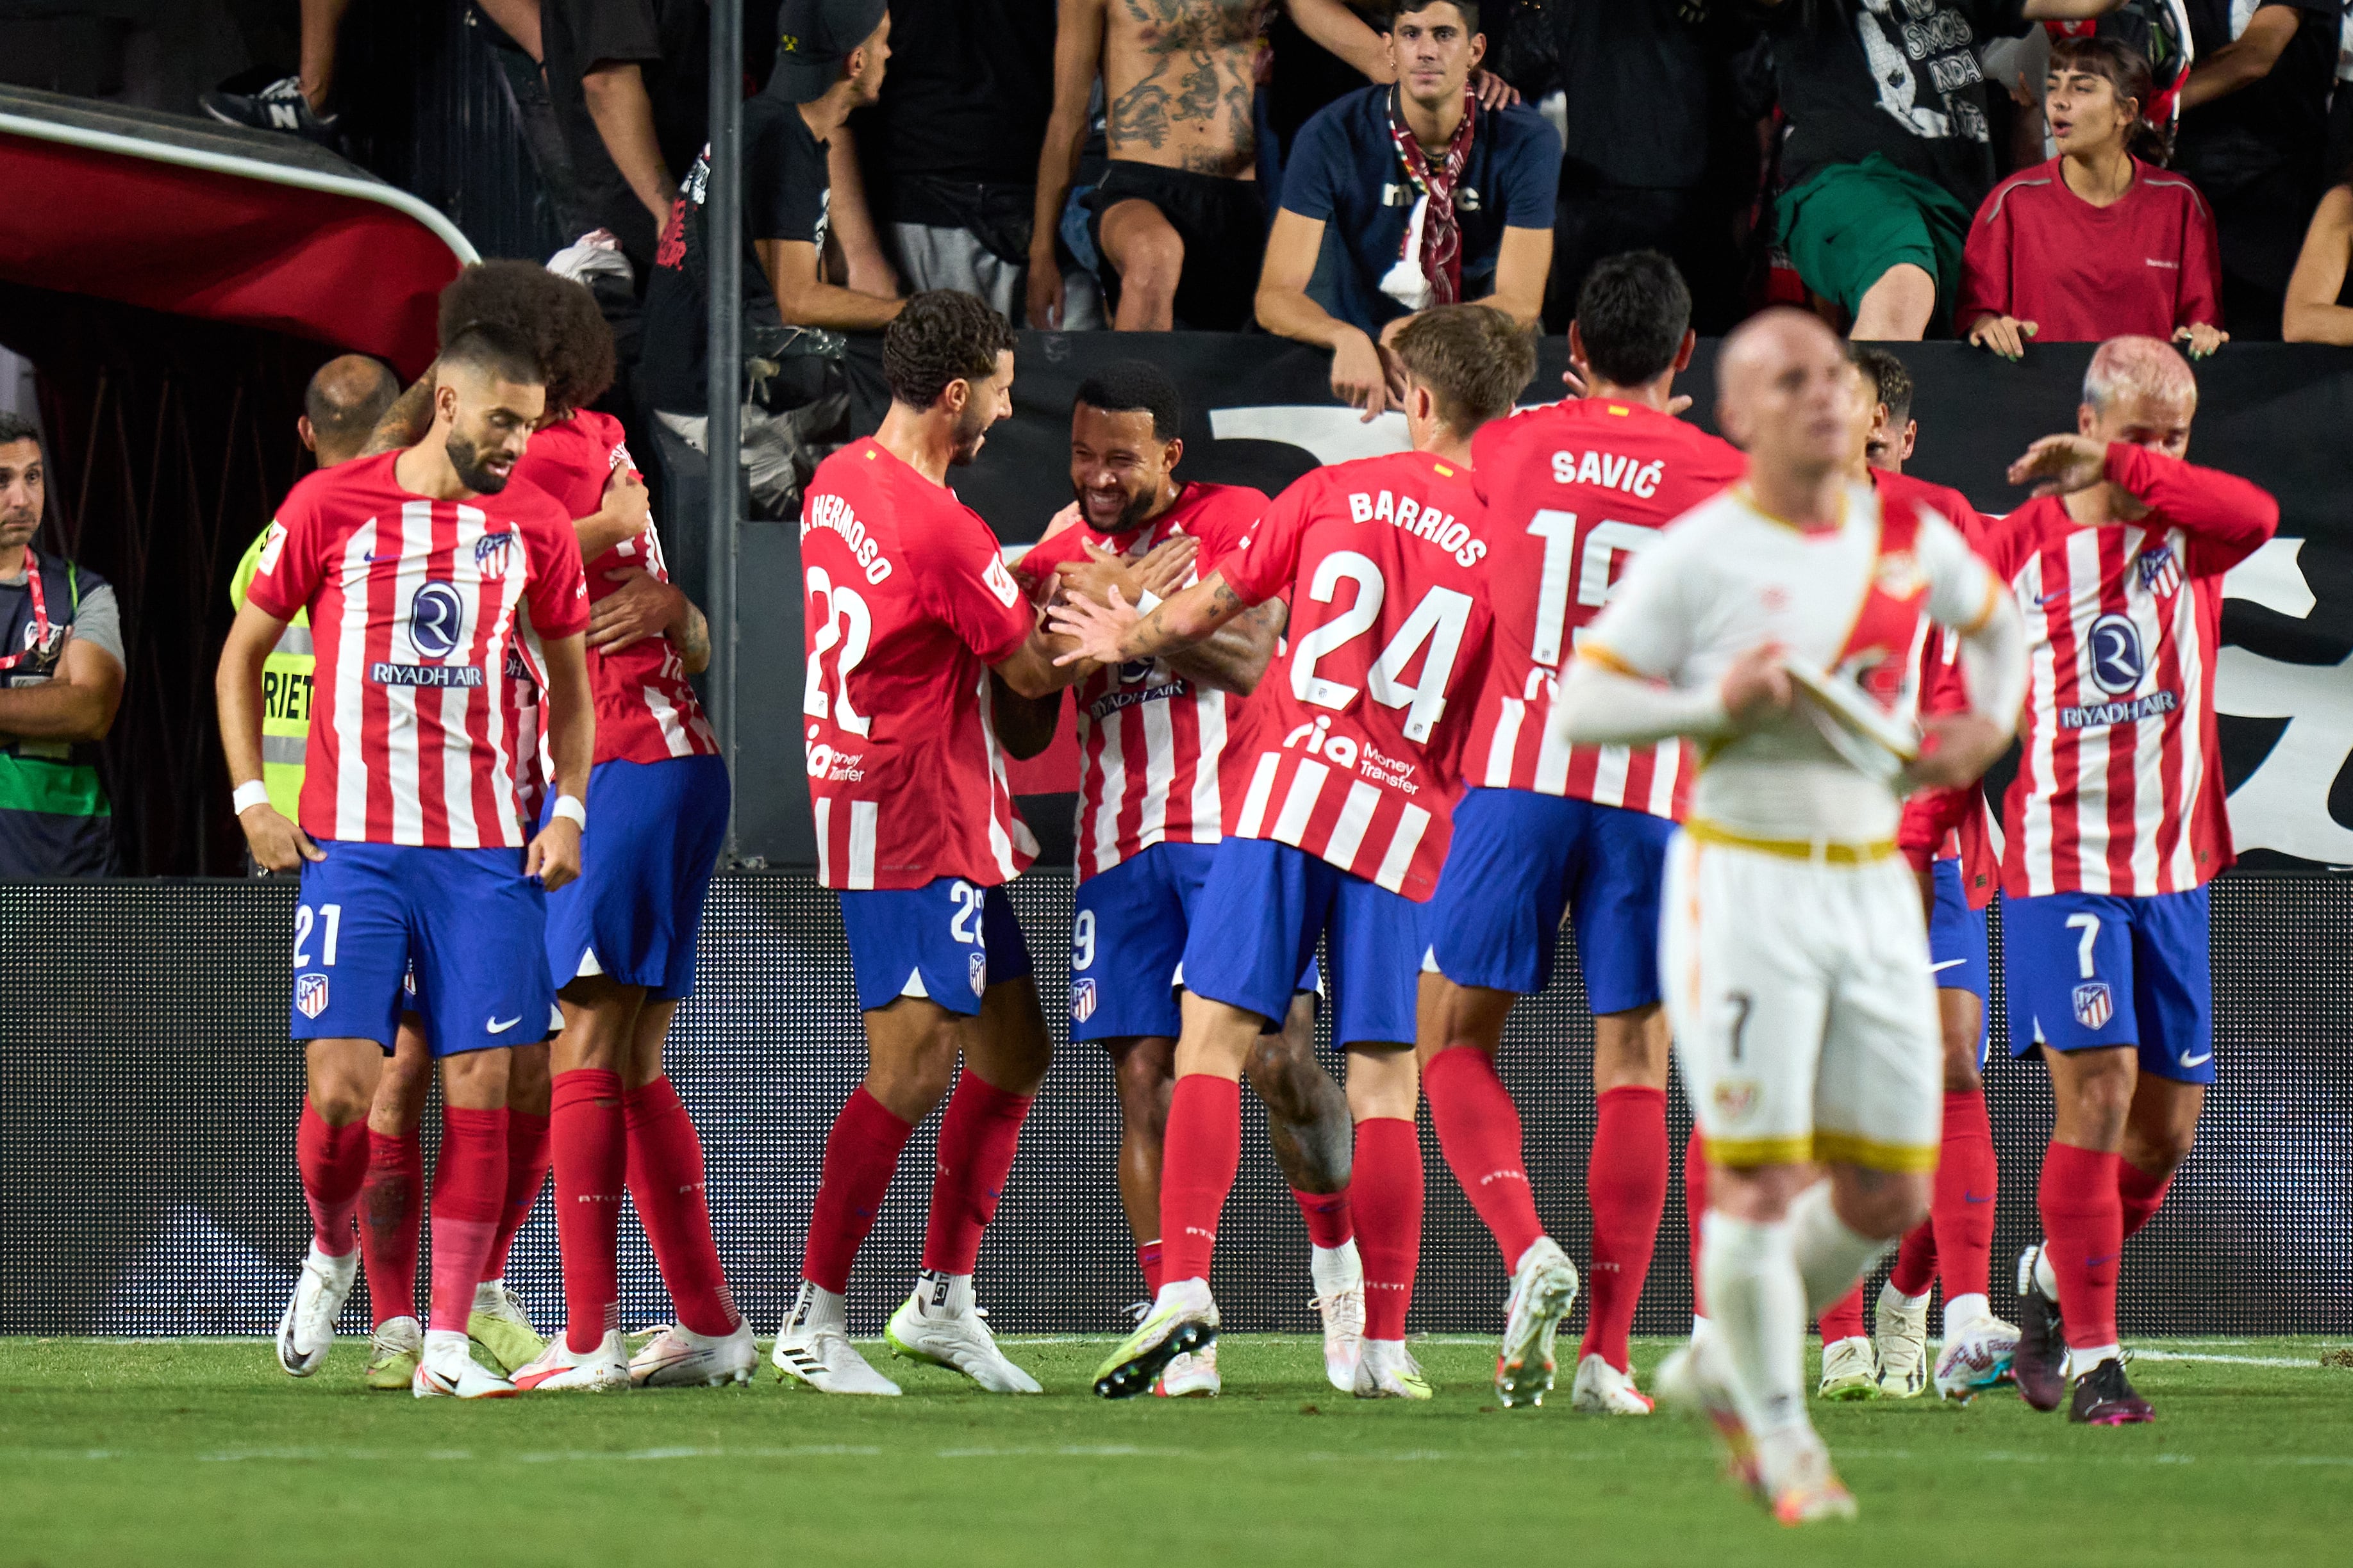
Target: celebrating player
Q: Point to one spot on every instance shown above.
(919, 642)
(2111, 832)
(1793, 951)
(1158, 744)
(1357, 730)
(412, 567)
(1574, 491)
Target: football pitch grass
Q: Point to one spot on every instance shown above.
(202, 1452)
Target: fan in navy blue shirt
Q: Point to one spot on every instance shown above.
(1427, 198)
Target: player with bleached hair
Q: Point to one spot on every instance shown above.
(1778, 625)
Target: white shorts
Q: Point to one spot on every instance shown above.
(1803, 1007)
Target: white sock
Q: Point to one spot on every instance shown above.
(441, 1343)
(955, 1299)
(1757, 1311)
(828, 1309)
(1889, 1296)
(1830, 1254)
(1961, 1314)
(1335, 1268)
(487, 1293)
(2046, 1279)
(2080, 1361)
(1182, 1292)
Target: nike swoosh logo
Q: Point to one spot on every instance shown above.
(498, 1029)
(1969, 1197)
(2199, 1060)
(2095, 1262)
(1948, 964)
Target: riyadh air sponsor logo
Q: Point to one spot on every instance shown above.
(2094, 1005)
(2100, 715)
(2116, 662)
(443, 675)
(436, 617)
(311, 994)
(1082, 1000)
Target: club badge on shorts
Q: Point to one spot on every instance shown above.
(2093, 1006)
(976, 963)
(311, 994)
(1735, 1097)
(1082, 1000)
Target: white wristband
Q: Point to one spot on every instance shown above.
(248, 796)
(1146, 603)
(569, 808)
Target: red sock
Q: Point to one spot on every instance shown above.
(665, 1172)
(1843, 1319)
(591, 1147)
(977, 1139)
(1915, 1270)
(2083, 1221)
(861, 1154)
(2140, 1194)
(1387, 1182)
(1961, 1207)
(526, 1174)
(1626, 1184)
(1694, 1208)
(1478, 1130)
(390, 1204)
(1200, 1155)
(334, 1162)
(1330, 1221)
(1147, 1259)
(470, 1188)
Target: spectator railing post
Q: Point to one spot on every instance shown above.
(723, 223)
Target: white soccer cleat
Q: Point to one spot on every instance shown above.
(1801, 1486)
(1193, 1377)
(678, 1357)
(449, 1371)
(1544, 1288)
(499, 1324)
(1697, 1379)
(1183, 1320)
(1849, 1369)
(1601, 1389)
(1899, 1338)
(814, 1346)
(1343, 1313)
(1976, 1359)
(939, 1323)
(559, 1369)
(306, 1332)
(1386, 1370)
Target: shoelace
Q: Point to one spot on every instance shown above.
(1351, 1311)
(1138, 1310)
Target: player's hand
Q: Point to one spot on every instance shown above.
(2060, 464)
(2203, 338)
(1574, 377)
(1095, 630)
(1166, 566)
(1756, 689)
(1045, 294)
(553, 856)
(1957, 749)
(1493, 91)
(626, 501)
(276, 844)
(1360, 375)
(642, 607)
(2005, 335)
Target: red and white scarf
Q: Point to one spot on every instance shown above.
(1429, 270)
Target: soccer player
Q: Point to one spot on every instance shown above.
(1358, 732)
(1159, 744)
(2111, 832)
(920, 649)
(1574, 492)
(1792, 950)
(412, 566)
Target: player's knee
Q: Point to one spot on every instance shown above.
(1284, 1076)
(1151, 260)
(2160, 1151)
(1961, 1075)
(1145, 1072)
(338, 1100)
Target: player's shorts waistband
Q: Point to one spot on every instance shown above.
(1828, 851)
(1820, 1146)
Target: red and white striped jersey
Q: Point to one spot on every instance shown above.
(1574, 491)
(646, 711)
(2120, 786)
(414, 608)
(1945, 823)
(908, 602)
(1152, 743)
(1356, 735)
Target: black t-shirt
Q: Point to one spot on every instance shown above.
(1645, 84)
(2281, 119)
(970, 85)
(788, 195)
(1899, 78)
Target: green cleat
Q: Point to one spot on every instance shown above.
(1182, 1322)
(498, 1325)
(1849, 1371)
(393, 1354)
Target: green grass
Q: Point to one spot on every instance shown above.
(197, 1452)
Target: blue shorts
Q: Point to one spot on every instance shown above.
(947, 941)
(1518, 861)
(2087, 971)
(1273, 902)
(1127, 943)
(654, 835)
(468, 922)
(1956, 945)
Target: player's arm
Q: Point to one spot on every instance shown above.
(276, 844)
(2226, 518)
(1114, 632)
(570, 708)
(1078, 57)
(406, 421)
(1235, 657)
(1024, 725)
(624, 515)
(1606, 702)
(75, 703)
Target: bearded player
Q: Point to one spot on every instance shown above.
(1357, 733)
(1793, 951)
(921, 649)
(2111, 830)
(1574, 492)
(1159, 742)
(412, 566)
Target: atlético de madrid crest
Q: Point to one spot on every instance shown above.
(977, 962)
(1082, 999)
(2094, 1006)
(311, 994)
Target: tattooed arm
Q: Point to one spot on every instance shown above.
(1114, 634)
(1235, 657)
(405, 423)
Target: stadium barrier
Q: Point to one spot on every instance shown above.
(148, 1099)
